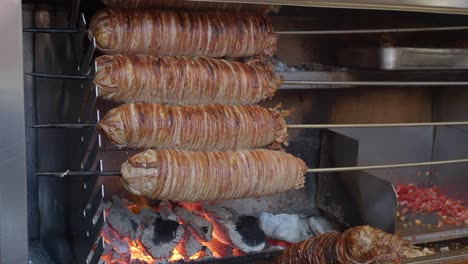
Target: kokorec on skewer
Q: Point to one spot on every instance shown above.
(210, 127)
(357, 245)
(180, 175)
(183, 80)
(171, 33)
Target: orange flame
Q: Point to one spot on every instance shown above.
(138, 252)
(176, 256)
(218, 247)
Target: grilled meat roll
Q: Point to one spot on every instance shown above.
(189, 5)
(183, 80)
(210, 127)
(362, 244)
(182, 175)
(170, 33)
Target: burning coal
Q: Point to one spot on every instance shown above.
(138, 233)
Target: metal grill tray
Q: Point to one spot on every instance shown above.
(404, 58)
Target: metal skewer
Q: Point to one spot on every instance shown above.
(60, 76)
(317, 170)
(389, 166)
(79, 173)
(331, 126)
(368, 31)
(65, 126)
(290, 82)
(379, 83)
(287, 32)
(54, 30)
(316, 126)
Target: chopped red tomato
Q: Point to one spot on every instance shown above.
(428, 200)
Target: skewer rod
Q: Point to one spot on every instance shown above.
(53, 30)
(380, 83)
(60, 76)
(318, 170)
(64, 126)
(291, 32)
(79, 173)
(368, 31)
(390, 166)
(331, 126)
(287, 82)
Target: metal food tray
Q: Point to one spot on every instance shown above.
(403, 58)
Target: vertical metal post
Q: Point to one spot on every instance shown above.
(13, 192)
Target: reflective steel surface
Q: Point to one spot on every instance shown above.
(13, 218)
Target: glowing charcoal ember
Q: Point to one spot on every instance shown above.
(199, 224)
(162, 237)
(121, 219)
(242, 231)
(181, 232)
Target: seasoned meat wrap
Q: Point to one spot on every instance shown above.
(210, 127)
(189, 5)
(183, 80)
(361, 244)
(201, 176)
(170, 33)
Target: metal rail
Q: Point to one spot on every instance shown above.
(315, 126)
(317, 170)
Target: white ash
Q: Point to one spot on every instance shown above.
(227, 221)
(320, 225)
(200, 225)
(286, 227)
(166, 211)
(192, 246)
(293, 228)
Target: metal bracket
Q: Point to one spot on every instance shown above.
(87, 58)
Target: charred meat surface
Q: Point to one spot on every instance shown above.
(362, 244)
(175, 33)
(200, 176)
(210, 127)
(183, 80)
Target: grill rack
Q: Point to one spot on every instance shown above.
(92, 164)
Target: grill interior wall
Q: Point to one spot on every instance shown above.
(59, 101)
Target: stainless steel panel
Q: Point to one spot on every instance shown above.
(402, 58)
(13, 190)
(355, 198)
(451, 142)
(30, 107)
(394, 145)
(60, 200)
